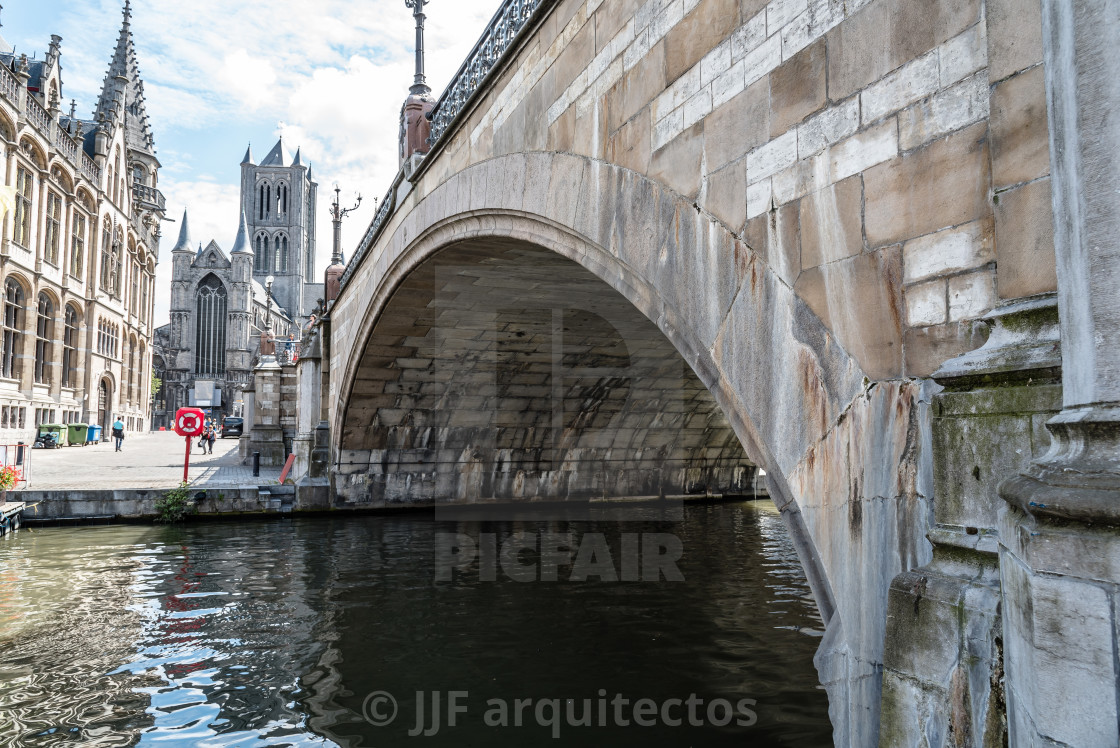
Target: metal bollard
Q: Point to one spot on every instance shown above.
(256, 464)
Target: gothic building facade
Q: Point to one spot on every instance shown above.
(79, 246)
(222, 305)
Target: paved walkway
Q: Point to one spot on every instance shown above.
(151, 460)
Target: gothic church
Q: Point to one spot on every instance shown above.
(222, 303)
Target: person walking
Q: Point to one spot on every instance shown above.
(118, 433)
(210, 436)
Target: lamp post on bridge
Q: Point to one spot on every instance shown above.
(415, 127)
(332, 281)
(419, 82)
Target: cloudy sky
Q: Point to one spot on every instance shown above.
(330, 75)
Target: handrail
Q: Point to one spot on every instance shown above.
(148, 195)
(91, 169)
(501, 33)
(64, 141)
(37, 114)
(9, 86)
(384, 210)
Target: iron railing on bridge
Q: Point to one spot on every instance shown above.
(503, 30)
(501, 34)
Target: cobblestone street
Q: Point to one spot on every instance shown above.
(150, 460)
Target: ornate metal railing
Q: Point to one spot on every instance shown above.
(9, 86)
(287, 351)
(148, 197)
(504, 28)
(37, 114)
(384, 210)
(500, 34)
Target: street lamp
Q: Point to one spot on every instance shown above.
(419, 83)
(268, 313)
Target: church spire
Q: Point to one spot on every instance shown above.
(122, 92)
(241, 244)
(184, 243)
(248, 160)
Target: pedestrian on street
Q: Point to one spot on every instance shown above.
(210, 436)
(118, 433)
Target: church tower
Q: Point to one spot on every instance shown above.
(278, 199)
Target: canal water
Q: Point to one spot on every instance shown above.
(318, 631)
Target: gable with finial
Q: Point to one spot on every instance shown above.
(211, 256)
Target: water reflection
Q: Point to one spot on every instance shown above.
(275, 633)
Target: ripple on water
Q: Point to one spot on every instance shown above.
(272, 633)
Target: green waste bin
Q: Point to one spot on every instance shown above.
(78, 434)
(58, 429)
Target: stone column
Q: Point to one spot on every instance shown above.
(307, 405)
(247, 413)
(1060, 547)
(312, 484)
(267, 435)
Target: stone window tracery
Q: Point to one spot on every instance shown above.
(13, 329)
(210, 323)
(44, 332)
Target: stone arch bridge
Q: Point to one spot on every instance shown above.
(657, 245)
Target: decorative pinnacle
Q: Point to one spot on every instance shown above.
(127, 12)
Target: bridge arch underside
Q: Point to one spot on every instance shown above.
(499, 370)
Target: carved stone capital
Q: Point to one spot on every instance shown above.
(1079, 478)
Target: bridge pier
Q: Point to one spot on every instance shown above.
(944, 650)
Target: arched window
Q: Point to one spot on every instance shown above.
(210, 340)
(130, 392)
(77, 244)
(70, 349)
(13, 329)
(143, 294)
(44, 331)
(281, 253)
(281, 199)
(21, 233)
(115, 185)
(117, 279)
(106, 267)
(265, 200)
(134, 294)
(262, 261)
(53, 226)
(143, 376)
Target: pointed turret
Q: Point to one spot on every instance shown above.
(184, 243)
(248, 160)
(296, 161)
(276, 157)
(241, 244)
(122, 93)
